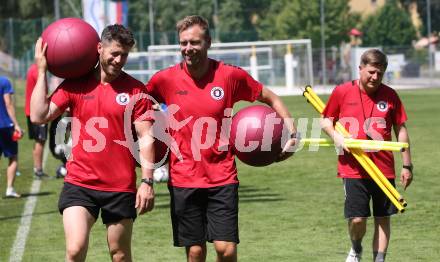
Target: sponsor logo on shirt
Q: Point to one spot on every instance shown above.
(217, 93)
(182, 92)
(122, 99)
(88, 97)
(382, 106)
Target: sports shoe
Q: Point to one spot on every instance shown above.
(353, 256)
(61, 171)
(39, 174)
(10, 193)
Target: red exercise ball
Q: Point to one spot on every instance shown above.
(71, 47)
(256, 134)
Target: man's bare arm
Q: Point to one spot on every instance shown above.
(42, 110)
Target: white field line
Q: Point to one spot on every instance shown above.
(17, 250)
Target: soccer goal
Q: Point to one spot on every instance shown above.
(281, 65)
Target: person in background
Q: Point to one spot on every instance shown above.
(10, 132)
(376, 109)
(36, 132)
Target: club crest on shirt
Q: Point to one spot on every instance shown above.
(122, 99)
(217, 93)
(382, 106)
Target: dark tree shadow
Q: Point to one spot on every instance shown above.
(33, 215)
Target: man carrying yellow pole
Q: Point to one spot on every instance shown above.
(368, 109)
(360, 156)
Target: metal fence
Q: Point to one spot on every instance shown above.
(407, 67)
(280, 65)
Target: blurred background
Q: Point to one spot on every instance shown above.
(326, 37)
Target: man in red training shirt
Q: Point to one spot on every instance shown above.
(100, 172)
(203, 181)
(35, 131)
(369, 110)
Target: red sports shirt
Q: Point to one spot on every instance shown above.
(361, 114)
(98, 162)
(202, 103)
(31, 80)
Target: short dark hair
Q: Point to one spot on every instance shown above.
(374, 57)
(118, 33)
(191, 20)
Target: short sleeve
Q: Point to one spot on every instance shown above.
(31, 77)
(152, 88)
(142, 109)
(7, 87)
(398, 114)
(60, 97)
(244, 86)
(333, 107)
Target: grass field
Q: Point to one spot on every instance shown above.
(289, 211)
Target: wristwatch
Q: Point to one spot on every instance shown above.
(295, 135)
(409, 167)
(148, 181)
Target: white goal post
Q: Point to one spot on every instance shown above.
(281, 65)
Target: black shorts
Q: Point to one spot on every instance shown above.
(358, 193)
(8, 147)
(114, 206)
(204, 214)
(36, 132)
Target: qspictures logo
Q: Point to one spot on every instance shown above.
(206, 132)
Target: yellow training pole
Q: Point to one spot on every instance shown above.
(362, 158)
(341, 129)
(316, 97)
(313, 102)
(356, 143)
(371, 166)
(379, 182)
(385, 181)
(376, 142)
(374, 147)
(376, 171)
(320, 108)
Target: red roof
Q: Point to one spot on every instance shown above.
(355, 32)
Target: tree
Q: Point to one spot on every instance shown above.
(390, 26)
(232, 22)
(295, 19)
(166, 15)
(27, 19)
(27, 9)
(172, 11)
(238, 19)
(435, 18)
(422, 11)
